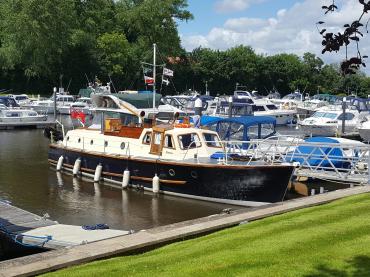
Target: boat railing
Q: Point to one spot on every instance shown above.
(348, 163)
(62, 126)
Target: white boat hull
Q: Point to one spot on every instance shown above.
(325, 130)
(364, 134)
(23, 119)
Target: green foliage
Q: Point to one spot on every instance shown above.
(41, 40)
(114, 53)
(328, 240)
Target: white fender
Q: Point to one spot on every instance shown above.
(125, 179)
(98, 171)
(76, 167)
(60, 163)
(155, 184)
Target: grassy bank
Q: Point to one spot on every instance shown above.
(329, 240)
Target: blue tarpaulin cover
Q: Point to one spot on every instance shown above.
(316, 154)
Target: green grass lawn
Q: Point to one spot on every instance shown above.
(329, 240)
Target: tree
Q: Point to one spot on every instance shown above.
(351, 35)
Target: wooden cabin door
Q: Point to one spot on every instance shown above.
(157, 142)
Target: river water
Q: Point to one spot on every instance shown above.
(28, 182)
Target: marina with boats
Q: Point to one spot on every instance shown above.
(207, 154)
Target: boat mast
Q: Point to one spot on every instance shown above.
(154, 72)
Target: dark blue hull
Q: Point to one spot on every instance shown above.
(241, 183)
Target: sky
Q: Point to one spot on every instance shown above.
(269, 26)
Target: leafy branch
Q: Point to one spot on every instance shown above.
(335, 42)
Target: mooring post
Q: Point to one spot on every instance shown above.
(55, 103)
(368, 166)
(344, 115)
(198, 105)
(230, 112)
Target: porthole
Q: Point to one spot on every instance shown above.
(68, 138)
(172, 172)
(194, 174)
(123, 145)
(91, 142)
(79, 140)
(105, 143)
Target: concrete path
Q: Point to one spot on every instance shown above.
(53, 260)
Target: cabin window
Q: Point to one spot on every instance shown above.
(258, 108)
(168, 142)
(346, 116)
(12, 114)
(212, 140)
(325, 115)
(272, 107)
(157, 138)
(253, 132)
(235, 132)
(189, 141)
(123, 145)
(126, 119)
(267, 130)
(147, 138)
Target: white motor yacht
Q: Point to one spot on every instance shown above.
(290, 101)
(327, 121)
(47, 106)
(267, 108)
(83, 104)
(12, 115)
(21, 99)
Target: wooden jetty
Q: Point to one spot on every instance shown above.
(26, 125)
(33, 230)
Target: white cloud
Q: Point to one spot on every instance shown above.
(228, 6)
(292, 30)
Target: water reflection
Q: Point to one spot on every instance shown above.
(29, 183)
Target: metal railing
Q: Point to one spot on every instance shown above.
(349, 162)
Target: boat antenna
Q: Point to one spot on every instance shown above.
(69, 83)
(88, 81)
(110, 79)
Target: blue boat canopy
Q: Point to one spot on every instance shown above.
(242, 128)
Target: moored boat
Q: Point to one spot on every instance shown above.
(12, 115)
(178, 154)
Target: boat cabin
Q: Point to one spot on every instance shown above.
(115, 132)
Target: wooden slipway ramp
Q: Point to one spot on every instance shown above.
(57, 259)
